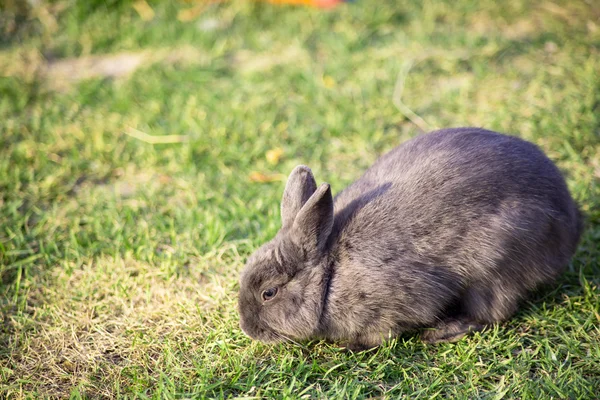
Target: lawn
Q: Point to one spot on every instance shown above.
(143, 154)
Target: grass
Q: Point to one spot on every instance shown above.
(119, 256)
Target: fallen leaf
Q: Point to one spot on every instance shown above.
(274, 155)
(144, 10)
(260, 177)
(328, 82)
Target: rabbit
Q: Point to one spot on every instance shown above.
(444, 234)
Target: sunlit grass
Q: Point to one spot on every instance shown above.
(119, 256)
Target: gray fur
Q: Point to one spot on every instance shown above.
(447, 231)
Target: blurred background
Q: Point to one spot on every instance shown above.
(144, 147)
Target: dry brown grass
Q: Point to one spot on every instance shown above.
(108, 314)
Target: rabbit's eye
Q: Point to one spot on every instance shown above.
(269, 294)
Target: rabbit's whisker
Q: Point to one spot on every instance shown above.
(289, 340)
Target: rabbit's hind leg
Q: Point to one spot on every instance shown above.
(489, 303)
(481, 305)
(450, 330)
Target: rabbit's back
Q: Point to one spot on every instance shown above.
(468, 199)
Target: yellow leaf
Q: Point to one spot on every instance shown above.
(264, 178)
(144, 10)
(328, 81)
(274, 155)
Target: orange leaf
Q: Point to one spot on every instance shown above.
(260, 177)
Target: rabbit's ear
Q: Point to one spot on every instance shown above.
(314, 222)
(300, 186)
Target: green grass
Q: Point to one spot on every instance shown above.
(119, 258)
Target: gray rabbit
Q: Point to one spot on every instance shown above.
(445, 233)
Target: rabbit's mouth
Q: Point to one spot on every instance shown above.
(259, 333)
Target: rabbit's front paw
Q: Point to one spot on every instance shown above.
(362, 343)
